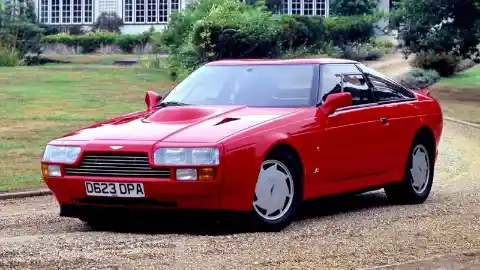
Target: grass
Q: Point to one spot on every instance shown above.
(39, 104)
(95, 59)
(459, 95)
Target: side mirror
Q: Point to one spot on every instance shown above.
(336, 101)
(151, 99)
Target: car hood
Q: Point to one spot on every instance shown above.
(202, 124)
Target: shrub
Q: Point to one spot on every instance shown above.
(445, 64)
(61, 38)
(349, 29)
(108, 21)
(354, 7)
(359, 52)
(418, 78)
(127, 42)
(92, 41)
(229, 29)
(8, 57)
(465, 64)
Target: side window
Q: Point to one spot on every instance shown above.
(354, 82)
(385, 91)
(384, 81)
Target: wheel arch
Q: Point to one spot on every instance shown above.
(291, 150)
(426, 133)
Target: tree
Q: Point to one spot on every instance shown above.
(440, 26)
(354, 7)
(108, 21)
(18, 27)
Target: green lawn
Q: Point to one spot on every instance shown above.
(38, 104)
(459, 95)
(96, 59)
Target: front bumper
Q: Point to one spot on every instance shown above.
(159, 193)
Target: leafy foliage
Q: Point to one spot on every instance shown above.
(108, 21)
(18, 29)
(8, 57)
(418, 78)
(440, 25)
(349, 29)
(354, 7)
(445, 64)
(90, 42)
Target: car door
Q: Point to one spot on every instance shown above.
(401, 116)
(353, 137)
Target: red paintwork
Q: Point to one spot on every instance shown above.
(236, 62)
(351, 149)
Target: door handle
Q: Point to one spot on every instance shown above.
(384, 120)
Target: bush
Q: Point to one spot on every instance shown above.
(92, 41)
(358, 51)
(108, 21)
(350, 29)
(465, 64)
(228, 29)
(354, 7)
(127, 42)
(445, 64)
(8, 57)
(418, 78)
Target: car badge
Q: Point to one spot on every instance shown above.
(116, 147)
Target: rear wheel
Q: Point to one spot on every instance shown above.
(418, 179)
(277, 192)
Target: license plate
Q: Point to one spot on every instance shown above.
(110, 189)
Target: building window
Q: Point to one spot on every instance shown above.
(296, 7)
(305, 7)
(320, 9)
(175, 6)
(163, 11)
(108, 6)
(128, 11)
(88, 11)
(149, 11)
(44, 11)
(140, 11)
(152, 11)
(55, 11)
(66, 11)
(77, 11)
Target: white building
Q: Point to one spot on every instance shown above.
(140, 15)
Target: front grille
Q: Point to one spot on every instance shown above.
(132, 165)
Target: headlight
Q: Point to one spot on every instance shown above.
(61, 154)
(186, 156)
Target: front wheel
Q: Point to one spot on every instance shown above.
(277, 192)
(418, 178)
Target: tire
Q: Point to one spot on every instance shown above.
(417, 183)
(276, 200)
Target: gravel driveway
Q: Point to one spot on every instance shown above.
(343, 233)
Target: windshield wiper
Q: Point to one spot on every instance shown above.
(170, 103)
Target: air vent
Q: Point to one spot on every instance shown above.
(226, 120)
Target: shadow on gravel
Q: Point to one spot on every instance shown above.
(220, 223)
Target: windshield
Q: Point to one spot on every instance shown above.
(250, 85)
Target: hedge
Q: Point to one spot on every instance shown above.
(210, 30)
(92, 41)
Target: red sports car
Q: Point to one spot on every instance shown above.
(252, 135)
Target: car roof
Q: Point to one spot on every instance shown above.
(239, 62)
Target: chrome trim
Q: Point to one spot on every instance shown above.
(117, 165)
